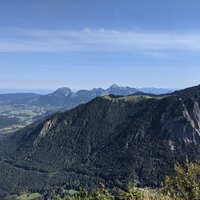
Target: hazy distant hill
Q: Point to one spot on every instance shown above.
(16, 97)
(152, 90)
(110, 140)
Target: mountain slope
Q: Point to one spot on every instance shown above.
(111, 139)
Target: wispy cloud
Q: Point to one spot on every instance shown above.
(88, 40)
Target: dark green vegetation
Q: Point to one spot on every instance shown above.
(110, 140)
(28, 107)
(101, 193)
(185, 184)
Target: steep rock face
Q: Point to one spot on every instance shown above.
(111, 139)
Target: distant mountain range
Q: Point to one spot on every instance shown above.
(110, 140)
(65, 97)
(24, 108)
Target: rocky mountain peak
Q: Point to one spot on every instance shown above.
(119, 90)
(65, 91)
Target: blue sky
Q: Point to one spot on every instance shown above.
(46, 44)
